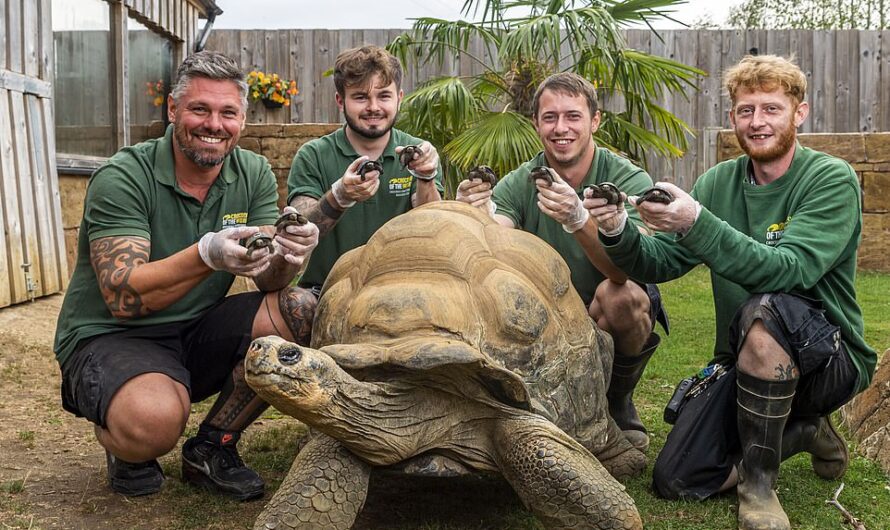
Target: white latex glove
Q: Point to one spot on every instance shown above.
(476, 193)
(677, 217)
(560, 202)
(350, 188)
(222, 251)
(610, 218)
(295, 242)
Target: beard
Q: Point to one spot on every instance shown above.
(785, 139)
(201, 158)
(375, 133)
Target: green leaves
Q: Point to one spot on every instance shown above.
(502, 140)
(484, 118)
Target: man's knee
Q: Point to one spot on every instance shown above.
(626, 302)
(757, 332)
(148, 414)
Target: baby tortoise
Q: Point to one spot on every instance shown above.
(541, 173)
(607, 191)
(290, 219)
(483, 173)
(409, 153)
(368, 166)
(655, 194)
(256, 242)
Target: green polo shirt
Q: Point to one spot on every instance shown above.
(517, 198)
(319, 163)
(135, 194)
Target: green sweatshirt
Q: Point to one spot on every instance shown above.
(798, 234)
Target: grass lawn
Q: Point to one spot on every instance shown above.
(689, 302)
(690, 305)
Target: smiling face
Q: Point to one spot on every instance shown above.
(766, 122)
(371, 110)
(566, 128)
(208, 119)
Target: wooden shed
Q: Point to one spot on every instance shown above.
(79, 79)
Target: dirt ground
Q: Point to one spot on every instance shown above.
(52, 471)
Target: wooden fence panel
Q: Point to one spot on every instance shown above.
(869, 80)
(885, 81)
(31, 249)
(848, 74)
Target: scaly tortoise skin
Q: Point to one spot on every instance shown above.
(448, 334)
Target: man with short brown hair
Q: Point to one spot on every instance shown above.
(779, 228)
(566, 115)
(327, 180)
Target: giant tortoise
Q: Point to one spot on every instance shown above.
(448, 344)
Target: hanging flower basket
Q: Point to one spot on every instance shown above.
(273, 91)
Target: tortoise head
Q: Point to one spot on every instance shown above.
(296, 380)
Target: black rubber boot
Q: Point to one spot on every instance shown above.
(626, 373)
(763, 409)
(817, 436)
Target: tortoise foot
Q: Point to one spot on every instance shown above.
(561, 482)
(325, 488)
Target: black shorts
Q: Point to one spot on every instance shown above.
(657, 312)
(703, 446)
(200, 353)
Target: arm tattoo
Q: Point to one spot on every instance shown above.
(113, 259)
(319, 211)
(785, 373)
(297, 307)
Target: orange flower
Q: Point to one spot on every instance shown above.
(271, 86)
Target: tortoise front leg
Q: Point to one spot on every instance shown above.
(325, 488)
(560, 481)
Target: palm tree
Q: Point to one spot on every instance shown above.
(486, 118)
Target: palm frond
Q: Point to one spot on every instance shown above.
(440, 109)
(502, 140)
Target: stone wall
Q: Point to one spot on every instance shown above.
(868, 416)
(279, 143)
(869, 154)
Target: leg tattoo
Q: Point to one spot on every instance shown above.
(297, 307)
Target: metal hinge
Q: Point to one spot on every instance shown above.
(30, 284)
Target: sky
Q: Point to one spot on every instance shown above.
(379, 14)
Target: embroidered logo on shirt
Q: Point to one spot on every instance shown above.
(400, 186)
(234, 219)
(775, 231)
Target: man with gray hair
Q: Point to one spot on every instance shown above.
(146, 327)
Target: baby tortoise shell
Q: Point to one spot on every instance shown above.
(655, 194)
(483, 173)
(607, 191)
(369, 165)
(256, 242)
(542, 173)
(409, 153)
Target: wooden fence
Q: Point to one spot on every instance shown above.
(848, 72)
(32, 248)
